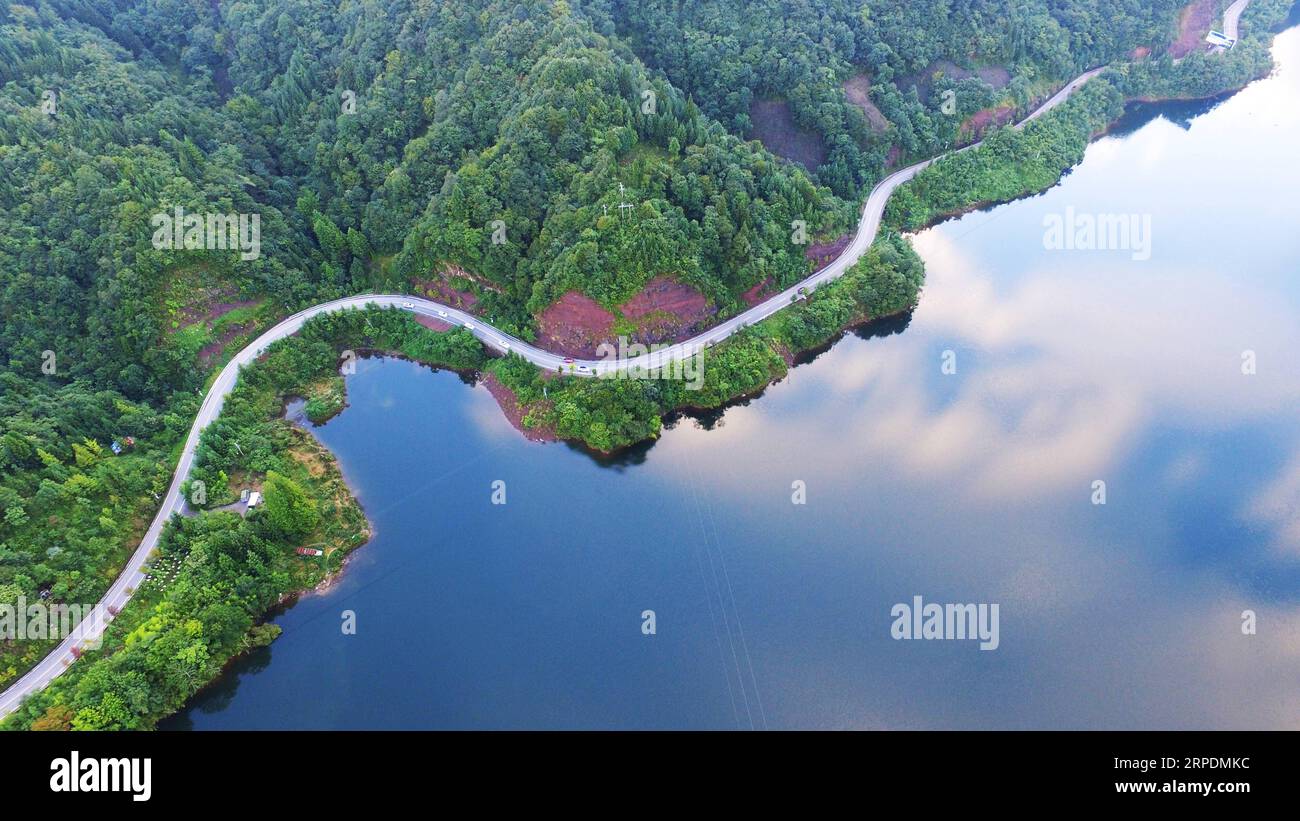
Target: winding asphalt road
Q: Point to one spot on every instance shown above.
(1231, 16)
(132, 576)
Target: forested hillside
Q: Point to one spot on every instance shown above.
(512, 154)
(727, 54)
(381, 140)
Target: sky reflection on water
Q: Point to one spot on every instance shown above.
(971, 487)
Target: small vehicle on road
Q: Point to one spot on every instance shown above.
(408, 305)
(469, 326)
(442, 313)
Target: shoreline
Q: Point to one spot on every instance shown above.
(794, 356)
(514, 412)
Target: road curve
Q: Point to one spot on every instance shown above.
(1231, 16)
(132, 575)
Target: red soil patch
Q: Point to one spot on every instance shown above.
(666, 310)
(207, 304)
(996, 76)
(510, 406)
(574, 325)
(785, 354)
(823, 253)
(1140, 53)
(433, 323)
(212, 351)
(219, 309)
(774, 126)
(923, 80)
(439, 287)
(1194, 23)
(210, 312)
(979, 122)
(857, 89)
(450, 271)
(758, 293)
(441, 290)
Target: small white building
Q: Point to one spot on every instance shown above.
(1219, 39)
(254, 499)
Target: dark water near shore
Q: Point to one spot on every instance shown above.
(1072, 366)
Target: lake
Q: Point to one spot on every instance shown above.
(954, 457)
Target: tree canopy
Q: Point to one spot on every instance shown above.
(525, 149)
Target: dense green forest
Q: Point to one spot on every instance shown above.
(1009, 163)
(380, 141)
(1202, 73)
(606, 414)
(728, 54)
(227, 569)
(529, 149)
(217, 573)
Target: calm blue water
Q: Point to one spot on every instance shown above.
(1072, 367)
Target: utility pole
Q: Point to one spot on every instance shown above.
(623, 205)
